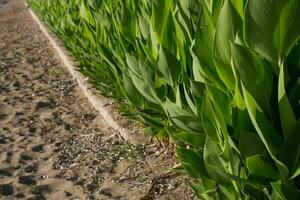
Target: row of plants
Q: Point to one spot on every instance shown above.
(221, 78)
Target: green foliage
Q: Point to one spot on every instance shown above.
(220, 77)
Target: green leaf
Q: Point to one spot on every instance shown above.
(259, 167)
(197, 90)
(255, 74)
(144, 25)
(285, 191)
(266, 132)
(295, 98)
(204, 39)
(250, 144)
(192, 162)
(168, 67)
(214, 6)
(189, 101)
(204, 74)
(85, 13)
(208, 119)
(290, 152)
(272, 27)
(218, 169)
(129, 24)
(287, 117)
(194, 139)
(183, 119)
(229, 23)
(142, 79)
(132, 93)
(206, 189)
(222, 104)
(239, 6)
(213, 161)
(88, 34)
(172, 37)
(160, 10)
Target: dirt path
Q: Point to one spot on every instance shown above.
(53, 144)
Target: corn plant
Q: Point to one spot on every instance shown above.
(221, 78)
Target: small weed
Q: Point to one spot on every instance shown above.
(38, 191)
(128, 151)
(57, 71)
(142, 178)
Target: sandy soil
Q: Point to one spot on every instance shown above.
(53, 144)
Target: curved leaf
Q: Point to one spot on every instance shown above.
(272, 27)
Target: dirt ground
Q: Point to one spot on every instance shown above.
(53, 144)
